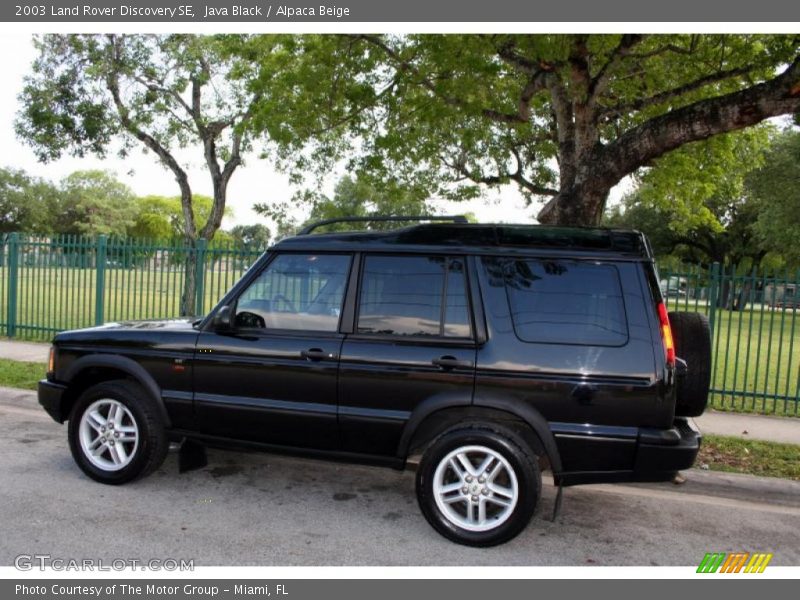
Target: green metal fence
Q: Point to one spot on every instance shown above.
(755, 334)
(52, 284)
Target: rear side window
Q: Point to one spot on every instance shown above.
(566, 302)
(414, 296)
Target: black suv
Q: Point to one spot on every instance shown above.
(485, 352)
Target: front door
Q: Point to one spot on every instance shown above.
(272, 378)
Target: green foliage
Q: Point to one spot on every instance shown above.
(775, 187)
(26, 203)
(693, 203)
(451, 113)
(161, 217)
(255, 236)
(95, 202)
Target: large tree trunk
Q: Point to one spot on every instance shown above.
(578, 206)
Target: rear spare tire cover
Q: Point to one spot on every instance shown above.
(692, 338)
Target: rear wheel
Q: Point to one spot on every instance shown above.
(116, 433)
(692, 338)
(478, 486)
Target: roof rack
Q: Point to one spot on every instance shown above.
(452, 219)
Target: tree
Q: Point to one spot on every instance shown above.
(94, 202)
(693, 205)
(160, 92)
(255, 236)
(161, 217)
(354, 198)
(693, 201)
(776, 188)
(565, 117)
(27, 204)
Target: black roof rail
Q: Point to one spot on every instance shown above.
(452, 219)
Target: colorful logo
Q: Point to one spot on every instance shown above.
(734, 562)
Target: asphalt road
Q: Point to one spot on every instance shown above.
(258, 509)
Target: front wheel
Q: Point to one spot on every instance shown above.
(478, 486)
(116, 433)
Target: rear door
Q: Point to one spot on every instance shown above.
(412, 342)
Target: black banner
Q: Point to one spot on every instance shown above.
(441, 11)
(733, 588)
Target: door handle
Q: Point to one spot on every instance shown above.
(448, 362)
(315, 354)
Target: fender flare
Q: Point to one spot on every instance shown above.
(126, 365)
(513, 406)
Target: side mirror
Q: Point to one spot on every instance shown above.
(223, 319)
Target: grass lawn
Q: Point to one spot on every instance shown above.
(735, 455)
(23, 375)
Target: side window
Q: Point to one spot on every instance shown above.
(414, 296)
(566, 302)
(296, 291)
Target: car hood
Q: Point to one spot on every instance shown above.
(113, 329)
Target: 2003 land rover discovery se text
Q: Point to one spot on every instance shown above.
(487, 352)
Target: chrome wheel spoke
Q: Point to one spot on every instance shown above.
(451, 487)
(499, 501)
(471, 512)
(452, 499)
(465, 463)
(96, 420)
(487, 462)
(114, 452)
(109, 442)
(499, 490)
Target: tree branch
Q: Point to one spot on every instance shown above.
(699, 121)
(677, 92)
(112, 83)
(600, 81)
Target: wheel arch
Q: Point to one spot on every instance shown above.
(436, 416)
(96, 368)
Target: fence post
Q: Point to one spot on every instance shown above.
(100, 280)
(200, 275)
(13, 278)
(713, 289)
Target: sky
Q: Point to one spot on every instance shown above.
(256, 181)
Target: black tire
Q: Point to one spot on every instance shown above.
(692, 338)
(517, 454)
(146, 455)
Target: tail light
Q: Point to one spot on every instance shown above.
(666, 334)
(51, 361)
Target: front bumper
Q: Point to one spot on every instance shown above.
(51, 398)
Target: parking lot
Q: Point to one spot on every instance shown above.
(259, 509)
